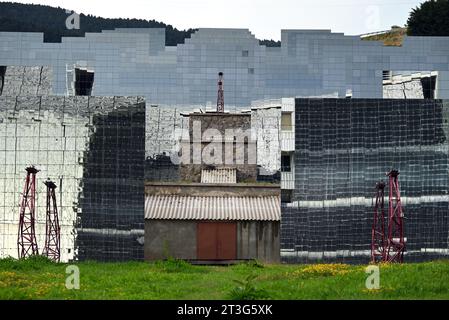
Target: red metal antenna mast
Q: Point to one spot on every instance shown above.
(396, 241)
(52, 247)
(26, 242)
(378, 252)
(220, 98)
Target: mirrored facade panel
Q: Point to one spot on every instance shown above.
(308, 63)
(93, 149)
(343, 147)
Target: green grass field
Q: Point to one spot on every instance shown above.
(37, 278)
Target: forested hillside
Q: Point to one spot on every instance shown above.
(51, 21)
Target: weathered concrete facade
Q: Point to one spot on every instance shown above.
(167, 127)
(170, 238)
(219, 140)
(256, 240)
(174, 213)
(259, 240)
(265, 128)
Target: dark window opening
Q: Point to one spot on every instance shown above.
(286, 163)
(428, 87)
(84, 81)
(387, 75)
(286, 196)
(2, 78)
(245, 53)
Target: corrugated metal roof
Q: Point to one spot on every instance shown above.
(219, 175)
(266, 208)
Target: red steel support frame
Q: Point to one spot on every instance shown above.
(378, 252)
(396, 240)
(52, 247)
(26, 242)
(220, 97)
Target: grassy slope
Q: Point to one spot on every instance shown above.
(174, 280)
(392, 38)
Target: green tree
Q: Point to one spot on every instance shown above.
(431, 18)
(51, 22)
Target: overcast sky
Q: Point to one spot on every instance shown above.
(265, 18)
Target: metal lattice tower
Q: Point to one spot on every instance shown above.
(26, 242)
(378, 252)
(396, 241)
(220, 97)
(52, 247)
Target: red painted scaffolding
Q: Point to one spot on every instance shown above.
(378, 242)
(26, 242)
(396, 241)
(52, 248)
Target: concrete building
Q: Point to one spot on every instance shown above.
(212, 222)
(324, 206)
(169, 128)
(218, 140)
(216, 211)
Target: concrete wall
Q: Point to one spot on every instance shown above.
(258, 240)
(265, 123)
(192, 172)
(177, 238)
(170, 238)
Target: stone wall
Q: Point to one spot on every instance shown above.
(168, 128)
(211, 190)
(220, 122)
(222, 136)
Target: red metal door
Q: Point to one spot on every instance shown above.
(206, 241)
(227, 241)
(217, 241)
